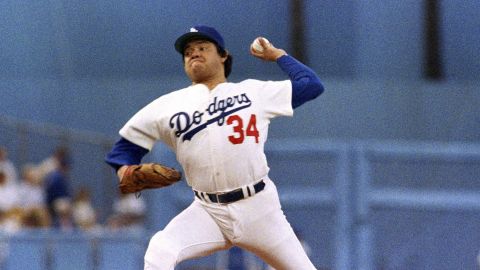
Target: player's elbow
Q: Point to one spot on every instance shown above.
(316, 87)
(306, 90)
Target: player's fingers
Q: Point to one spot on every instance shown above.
(264, 42)
(256, 53)
(260, 56)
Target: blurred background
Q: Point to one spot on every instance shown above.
(380, 172)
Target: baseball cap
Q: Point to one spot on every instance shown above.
(199, 32)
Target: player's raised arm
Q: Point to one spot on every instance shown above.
(305, 83)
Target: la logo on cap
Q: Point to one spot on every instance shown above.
(193, 29)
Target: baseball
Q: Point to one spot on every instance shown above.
(257, 46)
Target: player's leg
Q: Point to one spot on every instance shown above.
(286, 252)
(268, 234)
(191, 234)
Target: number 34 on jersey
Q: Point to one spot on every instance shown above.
(243, 129)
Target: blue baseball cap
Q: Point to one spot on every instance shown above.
(199, 32)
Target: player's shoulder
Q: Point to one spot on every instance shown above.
(252, 81)
(258, 81)
(248, 84)
(261, 84)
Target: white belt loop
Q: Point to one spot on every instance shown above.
(252, 188)
(248, 190)
(205, 197)
(245, 192)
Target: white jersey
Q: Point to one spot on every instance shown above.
(218, 135)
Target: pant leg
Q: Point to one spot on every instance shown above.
(281, 252)
(191, 234)
(266, 232)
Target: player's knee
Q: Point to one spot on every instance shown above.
(160, 254)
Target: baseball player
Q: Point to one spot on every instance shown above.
(217, 130)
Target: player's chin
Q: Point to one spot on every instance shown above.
(196, 74)
(189, 69)
(195, 67)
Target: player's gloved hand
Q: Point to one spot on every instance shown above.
(136, 178)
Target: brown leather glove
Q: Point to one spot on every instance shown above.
(147, 176)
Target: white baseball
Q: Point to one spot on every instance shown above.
(257, 46)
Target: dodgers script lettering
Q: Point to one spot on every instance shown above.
(190, 124)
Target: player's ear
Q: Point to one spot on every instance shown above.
(228, 65)
(223, 53)
(224, 56)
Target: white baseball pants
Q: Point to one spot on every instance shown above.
(256, 224)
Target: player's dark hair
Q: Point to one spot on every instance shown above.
(228, 62)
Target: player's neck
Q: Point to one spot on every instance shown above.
(211, 84)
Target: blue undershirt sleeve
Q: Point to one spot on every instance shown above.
(305, 83)
(125, 152)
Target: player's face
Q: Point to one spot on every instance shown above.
(202, 61)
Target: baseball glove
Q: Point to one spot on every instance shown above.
(146, 176)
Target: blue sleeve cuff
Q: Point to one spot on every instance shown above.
(125, 152)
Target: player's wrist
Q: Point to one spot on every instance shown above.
(280, 53)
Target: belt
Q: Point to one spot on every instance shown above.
(231, 196)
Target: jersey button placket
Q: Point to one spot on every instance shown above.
(212, 137)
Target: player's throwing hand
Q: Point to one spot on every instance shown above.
(265, 50)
